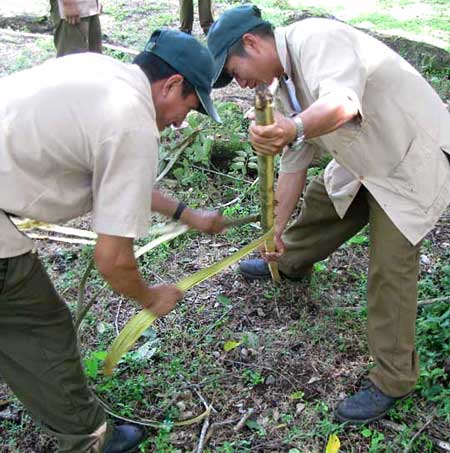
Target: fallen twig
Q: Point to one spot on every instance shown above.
(81, 288)
(116, 319)
(202, 439)
(176, 154)
(399, 428)
(87, 307)
(215, 425)
(423, 302)
(419, 432)
(241, 196)
(219, 173)
(243, 420)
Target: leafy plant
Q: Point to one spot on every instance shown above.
(433, 343)
(93, 362)
(252, 378)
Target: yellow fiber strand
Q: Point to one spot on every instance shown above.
(144, 319)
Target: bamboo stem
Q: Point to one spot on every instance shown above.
(264, 117)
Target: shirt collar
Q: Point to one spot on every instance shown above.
(280, 42)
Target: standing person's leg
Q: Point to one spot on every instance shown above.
(392, 305)
(205, 15)
(186, 15)
(391, 318)
(71, 39)
(39, 357)
(95, 34)
(317, 233)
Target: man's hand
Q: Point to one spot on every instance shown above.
(162, 299)
(71, 12)
(271, 139)
(273, 256)
(204, 221)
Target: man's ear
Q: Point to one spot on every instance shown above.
(173, 82)
(251, 42)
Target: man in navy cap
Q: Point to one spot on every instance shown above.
(345, 93)
(81, 134)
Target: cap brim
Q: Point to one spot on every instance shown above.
(222, 78)
(206, 105)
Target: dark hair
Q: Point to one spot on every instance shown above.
(156, 68)
(264, 31)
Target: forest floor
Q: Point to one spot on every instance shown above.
(292, 351)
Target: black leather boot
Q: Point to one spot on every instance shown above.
(367, 405)
(257, 269)
(124, 439)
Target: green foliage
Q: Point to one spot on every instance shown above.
(92, 364)
(224, 145)
(245, 160)
(433, 343)
(358, 239)
(255, 426)
(376, 439)
(435, 283)
(252, 378)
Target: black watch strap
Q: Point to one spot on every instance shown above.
(180, 208)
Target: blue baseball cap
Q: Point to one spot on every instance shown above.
(227, 30)
(189, 58)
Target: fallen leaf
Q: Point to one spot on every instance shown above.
(230, 345)
(334, 444)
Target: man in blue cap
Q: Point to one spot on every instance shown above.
(81, 134)
(345, 93)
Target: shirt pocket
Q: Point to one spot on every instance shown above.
(421, 174)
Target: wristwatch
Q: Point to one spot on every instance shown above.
(300, 136)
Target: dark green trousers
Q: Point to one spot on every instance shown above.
(392, 279)
(39, 357)
(85, 36)
(187, 15)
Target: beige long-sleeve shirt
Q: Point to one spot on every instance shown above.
(398, 146)
(77, 134)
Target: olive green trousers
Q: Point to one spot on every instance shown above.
(39, 357)
(392, 278)
(86, 36)
(187, 15)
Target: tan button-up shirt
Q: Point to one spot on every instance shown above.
(77, 134)
(396, 148)
(86, 8)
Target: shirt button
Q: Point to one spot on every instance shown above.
(361, 178)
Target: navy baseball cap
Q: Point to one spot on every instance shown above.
(189, 58)
(226, 31)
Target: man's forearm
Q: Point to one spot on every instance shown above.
(328, 114)
(115, 260)
(197, 219)
(163, 204)
(289, 188)
(167, 206)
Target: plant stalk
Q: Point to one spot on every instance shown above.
(264, 116)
